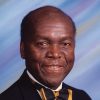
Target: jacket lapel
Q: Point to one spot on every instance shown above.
(27, 89)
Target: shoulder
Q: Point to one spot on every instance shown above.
(12, 93)
(22, 88)
(77, 93)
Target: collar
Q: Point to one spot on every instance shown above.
(33, 79)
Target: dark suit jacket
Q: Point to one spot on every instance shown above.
(23, 89)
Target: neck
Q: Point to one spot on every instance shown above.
(34, 80)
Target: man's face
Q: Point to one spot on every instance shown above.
(49, 52)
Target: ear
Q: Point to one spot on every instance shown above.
(22, 50)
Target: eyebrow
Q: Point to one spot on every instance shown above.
(69, 38)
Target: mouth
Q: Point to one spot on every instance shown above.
(53, 68)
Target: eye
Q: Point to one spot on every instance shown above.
(66, 43)
(42, 44)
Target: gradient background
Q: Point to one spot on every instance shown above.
(85, 13)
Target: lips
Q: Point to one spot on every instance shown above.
(53, 65)
(53, 68)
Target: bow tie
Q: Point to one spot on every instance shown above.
(48, 94)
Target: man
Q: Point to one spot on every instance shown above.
(47, 45)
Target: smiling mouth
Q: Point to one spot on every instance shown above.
(53, 68)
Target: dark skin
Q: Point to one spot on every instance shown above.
(49, 51)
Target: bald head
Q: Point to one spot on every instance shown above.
(41, 15)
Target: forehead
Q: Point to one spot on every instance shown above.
(54, 28)
(52, 31)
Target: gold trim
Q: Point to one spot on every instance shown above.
(70, 94)
(42, 94)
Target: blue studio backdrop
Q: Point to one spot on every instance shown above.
(86, 15)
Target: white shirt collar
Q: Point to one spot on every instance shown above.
(30, 75)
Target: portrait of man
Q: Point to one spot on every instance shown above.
(47, 45)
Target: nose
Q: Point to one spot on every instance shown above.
(54, 52)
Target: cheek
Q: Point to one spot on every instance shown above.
(69, 56)
(37, 55)
(35, 58)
